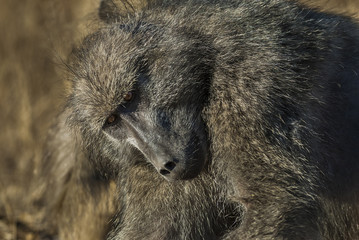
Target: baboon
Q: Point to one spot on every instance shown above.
(222, 119)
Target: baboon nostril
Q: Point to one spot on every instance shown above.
(164, 172)
(170, 165)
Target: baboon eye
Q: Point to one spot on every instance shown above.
(112, 119)
(128, 96)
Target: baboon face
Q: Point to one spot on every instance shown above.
(136, 91)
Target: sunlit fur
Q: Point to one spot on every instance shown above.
(276, 86)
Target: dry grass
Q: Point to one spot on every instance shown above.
(345, 7)
(35, 35)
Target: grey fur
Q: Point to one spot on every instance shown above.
(254, 104)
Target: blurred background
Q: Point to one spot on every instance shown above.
(35, 37)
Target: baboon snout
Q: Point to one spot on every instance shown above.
(178, 161)
(178, 152)
(167, 168)
(171, 170)
(188, 166)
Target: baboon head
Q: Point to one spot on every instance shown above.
(139, 89)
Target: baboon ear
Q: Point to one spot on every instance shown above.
(113, 10)
(108, 11)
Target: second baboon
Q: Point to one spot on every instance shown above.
(203, 109)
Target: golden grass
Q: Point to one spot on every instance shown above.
(345, 7)
(35, 35)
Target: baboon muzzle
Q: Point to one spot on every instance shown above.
(164, 158)
(175, 155)
(186, 167)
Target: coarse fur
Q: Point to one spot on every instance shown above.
(233, 105)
